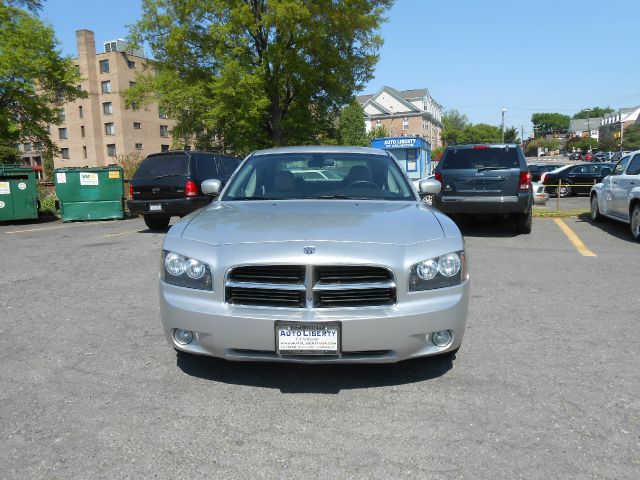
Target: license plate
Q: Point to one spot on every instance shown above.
(155, 207)
(308, 338)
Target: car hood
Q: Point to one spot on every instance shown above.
(399, 223)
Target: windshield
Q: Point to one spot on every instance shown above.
(163, 166)
(478, 158)
(333, 175)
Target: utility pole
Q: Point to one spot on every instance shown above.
(621, 127)
(503, 110)
(522, 135)
(589, 126)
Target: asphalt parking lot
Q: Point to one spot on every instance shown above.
(546, 384)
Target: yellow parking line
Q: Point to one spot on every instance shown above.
(574, 239)
(109, 235)
(42, 228)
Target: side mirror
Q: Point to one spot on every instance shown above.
(429, 186)
(211, 187)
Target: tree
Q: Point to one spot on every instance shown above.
(35, 80)
(254, 73)
(592, 112)
(378, 132)
(511, 135)
(550, 122)
(351, 128)
(480, 133)
(582, 144)
(631, 137)
(454, 122)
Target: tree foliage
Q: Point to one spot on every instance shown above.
(378, 132)
(582, 144)
(454, 123)
(550, 122)
(511, 135)
(35, 80)
(593, 112)
(631, 137)
(351, 128)
(480, 133)
(254, 73)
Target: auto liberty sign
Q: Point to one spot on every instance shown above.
(394, 143)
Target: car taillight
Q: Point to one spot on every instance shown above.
(130, 191)
(525, 180)
(438, 176)
(478, 147)
(190, 189)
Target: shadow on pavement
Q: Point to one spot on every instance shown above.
(611, 227)
(326, 379)
(486, 226)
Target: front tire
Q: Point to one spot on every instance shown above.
(634, 224)
(524, 222)
(596, 216)
(156, 222)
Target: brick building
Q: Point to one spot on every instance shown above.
(404, 113)
(97, 128)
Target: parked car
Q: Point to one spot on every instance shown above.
(540, 197)
(280, 268)
(618, 196)
(479, 179)
(575, 156)
(617, 156)
(168, 184)
(575, 179)
(600, 157)
(538, 169)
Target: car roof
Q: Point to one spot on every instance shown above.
(191, 152)
(321, 149)
(489, 145)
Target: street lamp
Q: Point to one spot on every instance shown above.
(589, 126)
(503, 110)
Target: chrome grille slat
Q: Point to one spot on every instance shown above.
(310, 286)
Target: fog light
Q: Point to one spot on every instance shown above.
(183, 337)
(442, 338)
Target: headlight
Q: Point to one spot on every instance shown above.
(185, 272)
(438, 272)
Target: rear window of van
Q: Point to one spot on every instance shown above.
(163, 166)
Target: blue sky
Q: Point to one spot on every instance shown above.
(476, 56)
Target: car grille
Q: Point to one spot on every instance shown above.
(307, 286)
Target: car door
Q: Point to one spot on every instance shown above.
(625, 183)
(618, 195)
(579, 175)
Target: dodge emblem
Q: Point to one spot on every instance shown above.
(309, 250)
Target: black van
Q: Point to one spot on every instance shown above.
(168, 184)
(479, 179)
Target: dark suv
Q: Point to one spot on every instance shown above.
(168, 184)
(479, 179)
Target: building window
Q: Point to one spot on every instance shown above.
(79, 87)
(104, 66)
(405, 124)
(131, 64)
(137, 125)
(107, 108)
(138, 146)
(132, 84)
(62, 133)
(65, 153)
(164, 130)
(378, 122)
(106, 86)
(28, 147)
(164, 148)
(109, 129)
(82, 131)
(80, 113)
(61, 115)
(84, 152)
(425, 125)
(134, 106)
(38, 146)
(162, 113)
(77, 67)
(111, 149)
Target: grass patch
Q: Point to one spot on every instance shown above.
(544, 213)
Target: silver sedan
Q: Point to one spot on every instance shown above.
(351, 268)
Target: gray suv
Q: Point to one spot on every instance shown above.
(486, 179)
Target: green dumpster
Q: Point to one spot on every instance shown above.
(89, 193)
(18, 193)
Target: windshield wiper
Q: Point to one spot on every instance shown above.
(335, 197)
(170, 175)
(484, 169)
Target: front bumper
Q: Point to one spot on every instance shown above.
(383, 334)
